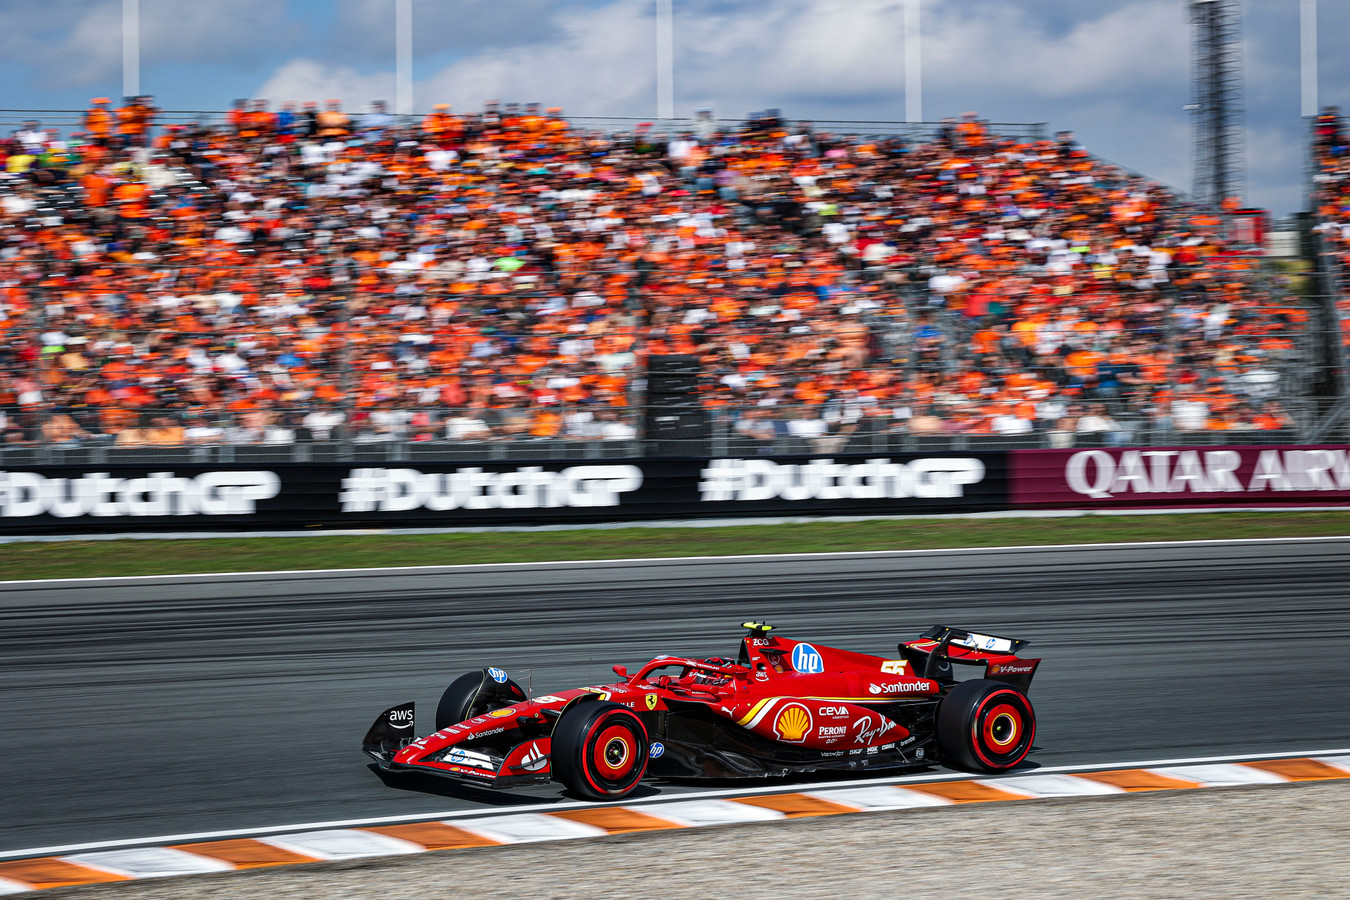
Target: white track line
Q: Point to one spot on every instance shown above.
(658, 560)
(703, 523)
(783, 788)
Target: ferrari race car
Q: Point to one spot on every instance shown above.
(781, 707)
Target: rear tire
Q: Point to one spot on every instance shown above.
(466, 697)
(599, 750)
(985, 726)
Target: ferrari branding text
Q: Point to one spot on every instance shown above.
(24, 494)
(529, 487)
(824, 479)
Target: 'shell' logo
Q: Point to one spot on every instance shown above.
(793, 722)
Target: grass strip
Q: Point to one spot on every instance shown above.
(67, 559)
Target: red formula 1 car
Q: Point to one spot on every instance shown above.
(781, 707)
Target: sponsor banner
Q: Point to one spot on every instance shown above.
(166, 497)
(1181, 476)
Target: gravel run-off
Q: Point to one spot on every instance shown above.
(1287, 841)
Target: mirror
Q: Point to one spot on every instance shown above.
(621, 671)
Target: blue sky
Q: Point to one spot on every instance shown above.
(1117, 73)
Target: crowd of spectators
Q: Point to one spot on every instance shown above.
(1331, 180)
(307, 274)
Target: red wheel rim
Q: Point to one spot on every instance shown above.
(614, 752)
(1002, 730)
(1002, 727)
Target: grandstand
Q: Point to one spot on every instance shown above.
(309, 284)
(1329, 193)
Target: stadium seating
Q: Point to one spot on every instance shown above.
(310, 275)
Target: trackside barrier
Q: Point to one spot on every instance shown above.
(1179, 477)
(54, 499)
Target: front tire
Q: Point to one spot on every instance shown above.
(599, 750)
(474, 694)
(985, 726)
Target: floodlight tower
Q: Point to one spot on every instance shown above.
(1219, 129)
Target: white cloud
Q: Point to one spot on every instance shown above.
(73, 43)
(309, 79)
(364, 29)
(600, 64)
(1118, 73)
(599, 60)
(1129, 47)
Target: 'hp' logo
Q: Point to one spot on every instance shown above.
(497, 675)
(806, 659)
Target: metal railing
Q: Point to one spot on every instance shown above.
(69, 121)
(109, 437)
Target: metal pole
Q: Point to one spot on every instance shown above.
(1308, 48)
(44, 408)
(131, 48)
(913, 64)
(403, 88)
(1170, 341)
(665, 59)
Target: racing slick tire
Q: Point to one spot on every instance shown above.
(599, 750)
(466, 698)
(985, 726)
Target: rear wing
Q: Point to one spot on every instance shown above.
(987, 643)
(932, 656)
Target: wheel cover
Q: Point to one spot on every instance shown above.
(614, 752)
(1002, 730)
(1002, 727)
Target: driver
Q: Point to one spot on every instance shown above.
(713, 678)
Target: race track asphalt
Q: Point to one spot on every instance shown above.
(139, 708)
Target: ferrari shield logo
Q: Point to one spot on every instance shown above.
(651, 701)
